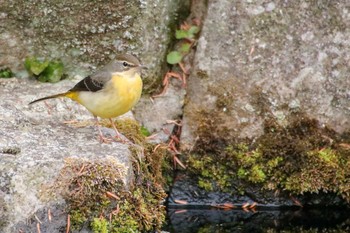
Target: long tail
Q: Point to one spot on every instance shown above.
(50, 97)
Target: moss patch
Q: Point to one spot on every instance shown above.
(6, 73)
(96, 194)
(156, 160)
(299, 158)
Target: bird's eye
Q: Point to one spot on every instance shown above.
(125, 64)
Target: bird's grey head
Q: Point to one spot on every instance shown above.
(126, 62)
(131, 60)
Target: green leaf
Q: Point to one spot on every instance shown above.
(193, 31)
(181, 34)
(145, 132)
(174, 57)
(53, 72)
(6, 73)
(35, 65)
(189, 34)
(185, 47)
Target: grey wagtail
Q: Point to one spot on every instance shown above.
(110, 92)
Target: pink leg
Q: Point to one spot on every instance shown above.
(103, 139)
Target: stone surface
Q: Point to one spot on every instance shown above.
(159, 115)
(261, 60)
(87, 34)
(35, 141)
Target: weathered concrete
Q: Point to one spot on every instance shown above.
(35, 142)
(259, 60)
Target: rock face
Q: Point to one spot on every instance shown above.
(87, 33)
(262, 60)
(270, 77)
(158, 114)
(35, 143)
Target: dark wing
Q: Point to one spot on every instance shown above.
(92, 83)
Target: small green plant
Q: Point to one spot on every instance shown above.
(99, 225)
(6, 73)
(187, 36)
(44, 70)
(145, 132)
(187, 33)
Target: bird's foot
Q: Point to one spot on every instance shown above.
(122, 139)
(104, 139)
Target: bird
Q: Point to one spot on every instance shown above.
(109, 92)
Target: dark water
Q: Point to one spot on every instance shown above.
(260, 220)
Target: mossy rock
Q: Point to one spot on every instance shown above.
(299, 159)
(97, 195)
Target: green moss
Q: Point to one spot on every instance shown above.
(95, 192)
(158, 161)
(318, 174)
(99, 225)
(77, 218)
(205, 184)
(298, 158)
(257, 175)
(124, 222)
(210, 171)
(242, 173)
(273, 163)
(130, 129)
(328, 156)
(6, 73)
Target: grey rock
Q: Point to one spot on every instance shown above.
(261, 60)
(35, 142)
(159, 115)
(87, 34)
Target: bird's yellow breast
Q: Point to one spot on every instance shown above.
(117, 97)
